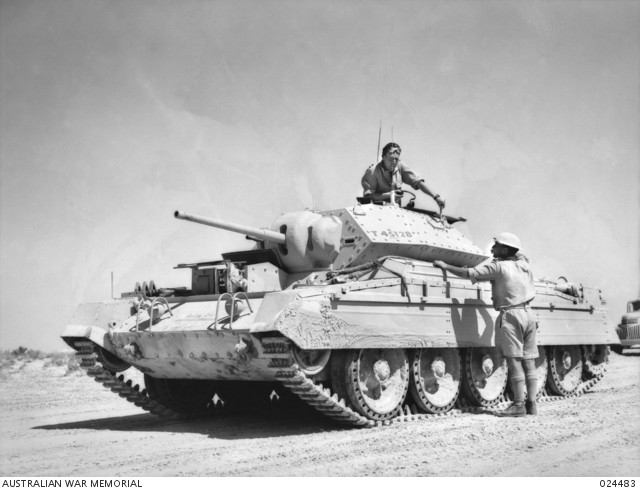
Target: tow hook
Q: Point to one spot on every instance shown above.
(133, 350)
(243, 348)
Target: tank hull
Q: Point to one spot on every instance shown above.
(421, 310)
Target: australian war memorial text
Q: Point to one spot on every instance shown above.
(71, 483)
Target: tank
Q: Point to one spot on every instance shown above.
(341, 309)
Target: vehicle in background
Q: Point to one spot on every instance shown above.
(629, 328)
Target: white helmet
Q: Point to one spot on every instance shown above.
(508, 239)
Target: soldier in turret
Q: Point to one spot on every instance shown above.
(512, 290)
(389, 174)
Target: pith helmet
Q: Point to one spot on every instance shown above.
(508, 239)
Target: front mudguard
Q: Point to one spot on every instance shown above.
(91, 321)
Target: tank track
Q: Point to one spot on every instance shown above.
(320, 398)
(88, 361)
(328, 403)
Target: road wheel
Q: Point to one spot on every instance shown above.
(595, 358)
(435, 378)
(485, 375)
(373, 381)
(565, 369)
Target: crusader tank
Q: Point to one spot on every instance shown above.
(342, 309)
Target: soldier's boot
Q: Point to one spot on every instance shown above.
(516, 410)
(531, 408)
(516, 377)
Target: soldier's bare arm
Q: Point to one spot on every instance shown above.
(461, 272)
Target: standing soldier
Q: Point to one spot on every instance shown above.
(512, 290)
(389, 174)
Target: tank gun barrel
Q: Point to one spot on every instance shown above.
(257, 233)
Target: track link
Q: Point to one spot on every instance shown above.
(88, 361)
(317, 396)
(328, 403)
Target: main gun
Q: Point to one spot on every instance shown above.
(306, 241)
(262, 234)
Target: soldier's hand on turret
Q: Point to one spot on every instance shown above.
(397, 192)
(440, 264)
(439, 200)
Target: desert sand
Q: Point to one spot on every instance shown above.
(60, 423)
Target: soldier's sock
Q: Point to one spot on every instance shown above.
(516, 379)
(517, 385)
(531, 377)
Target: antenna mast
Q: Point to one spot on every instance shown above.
(384, 90)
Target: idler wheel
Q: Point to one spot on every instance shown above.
(110, 361)
(485, 375)
(595, 358)
(183, 396)
(373, 381)
(311, 362)
(435, 378)
(565, 369)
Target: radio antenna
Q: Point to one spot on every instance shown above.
(384, 90)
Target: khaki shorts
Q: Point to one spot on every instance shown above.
(516, 333)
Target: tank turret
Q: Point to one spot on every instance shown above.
(346, 237)
(371, 231)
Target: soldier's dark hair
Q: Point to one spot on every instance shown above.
(387, 148)
(511, 251)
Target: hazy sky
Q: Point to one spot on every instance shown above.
(523, 115)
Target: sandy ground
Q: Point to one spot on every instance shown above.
(56, 425)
